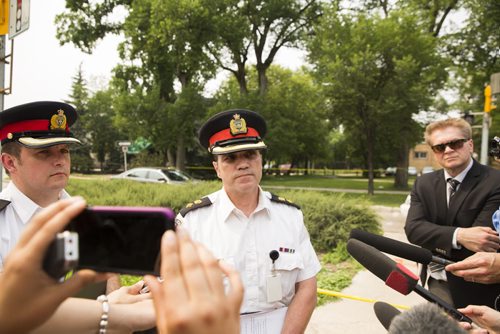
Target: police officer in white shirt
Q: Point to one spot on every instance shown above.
(262, 235)
(35, 140)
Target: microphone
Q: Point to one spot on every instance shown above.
(385, 313)
(398, 248)
(396, 276)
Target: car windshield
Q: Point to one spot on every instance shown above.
(176, 175)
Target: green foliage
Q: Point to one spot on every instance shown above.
(125, 192)
(294, 110)
(336, 278)
(339, 254)
(328, 217)
(377, 72)
(80, 154)
(331, 217)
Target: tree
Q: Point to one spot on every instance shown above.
(80, 155)
(99, 127)
(475, 50)
(377, 72)
(294, 110)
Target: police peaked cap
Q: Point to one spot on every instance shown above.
(233, 131)
(38, 124)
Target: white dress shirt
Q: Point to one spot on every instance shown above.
(245, 243)
(15, 216)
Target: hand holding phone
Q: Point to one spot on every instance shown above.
(122, 239)
(112, 239)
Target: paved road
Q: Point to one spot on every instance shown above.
(350, 316)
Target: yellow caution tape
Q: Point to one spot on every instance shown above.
(341, 295)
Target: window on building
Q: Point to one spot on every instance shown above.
(420, 155)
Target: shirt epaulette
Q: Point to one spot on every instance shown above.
(199, 203)
(3, 204)
(279, 199)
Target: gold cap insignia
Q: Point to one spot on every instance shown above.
(10, 135)
(58, 121)
(238, 125)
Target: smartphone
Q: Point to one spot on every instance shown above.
(61, 255)
(121, 239)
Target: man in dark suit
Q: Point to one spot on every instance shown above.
(451, 209)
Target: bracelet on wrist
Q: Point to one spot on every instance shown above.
(103, 323)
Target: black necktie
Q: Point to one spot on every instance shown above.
(453, 187)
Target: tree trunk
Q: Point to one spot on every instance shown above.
(242, 79)
(369, 160)
(181, 154)
(170, 158)
(401, 177)
(263, 82)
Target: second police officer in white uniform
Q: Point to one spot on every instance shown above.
(262, 235)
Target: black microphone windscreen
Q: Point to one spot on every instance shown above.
(394, 275)
(394, 247)
(385, 313)
(373, 260)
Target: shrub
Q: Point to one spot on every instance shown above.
(329, 217)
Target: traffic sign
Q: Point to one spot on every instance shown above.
(19, 18)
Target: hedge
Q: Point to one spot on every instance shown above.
(329, 217)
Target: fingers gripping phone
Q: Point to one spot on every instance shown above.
(121, 239)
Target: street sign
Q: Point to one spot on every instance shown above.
(124, 143)
(19, 18)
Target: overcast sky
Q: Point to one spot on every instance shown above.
(43, 70)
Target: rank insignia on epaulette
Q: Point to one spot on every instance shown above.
(199, 203)
(283, 200)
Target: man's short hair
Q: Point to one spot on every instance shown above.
(459, 123)
(12, 148)
(425, 318)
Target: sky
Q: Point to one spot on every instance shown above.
(44, 70)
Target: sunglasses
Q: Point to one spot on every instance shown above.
(454, 145)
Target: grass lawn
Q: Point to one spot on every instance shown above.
(316, 181)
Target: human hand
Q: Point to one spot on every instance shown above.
(28, 295)
(472, 329)
(192, 299)
(478, 239)
(481, 267)
(483, 316)
(128, 294)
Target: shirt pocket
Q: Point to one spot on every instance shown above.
(289, 267)
(288, 262)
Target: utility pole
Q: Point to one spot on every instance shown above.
(2, 87)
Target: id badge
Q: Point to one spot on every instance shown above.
(273, 285)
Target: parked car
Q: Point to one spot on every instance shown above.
(412, 171)
(427, 169)
(390, 171)
(155, 175)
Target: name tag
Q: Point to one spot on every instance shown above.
(273, 286)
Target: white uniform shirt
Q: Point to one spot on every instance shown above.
(245, 243)
(15, 216)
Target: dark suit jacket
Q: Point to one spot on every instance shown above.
(431, 224)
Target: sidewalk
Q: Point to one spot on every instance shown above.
(350, 316)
